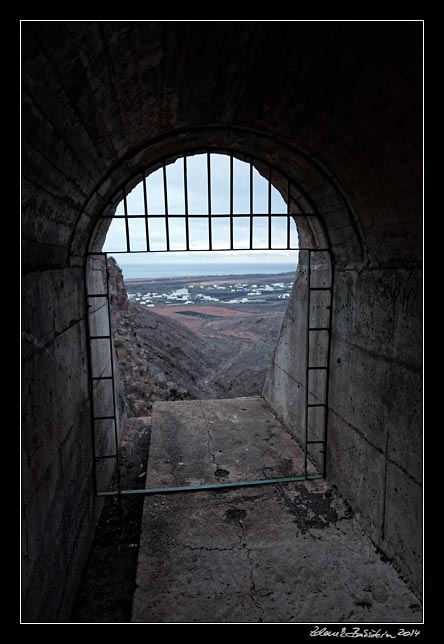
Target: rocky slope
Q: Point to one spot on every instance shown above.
(161, 359)
(158, 358)
(246, 347)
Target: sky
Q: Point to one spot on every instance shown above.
(198, 228)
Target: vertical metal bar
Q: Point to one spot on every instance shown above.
(185, 189)
(330, 316)
(210, 236)
(269, 207)
(165, 195)
(231, 203)
(307, 361)
(90, 375)
(145, 205)
(288, 216)
(251, 206)
(116, 438)
(125, 209)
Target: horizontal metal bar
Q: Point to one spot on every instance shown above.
(102, 378)
(212, 215)
(211, 486)
(319, 328)
(104, 418)
(315, 442)
(96, 295)
(99, 458)
(317, 405)
(312, 368)
(194, 250)
(99, 337)
(198, 250)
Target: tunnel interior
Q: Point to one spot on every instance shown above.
(337, 107)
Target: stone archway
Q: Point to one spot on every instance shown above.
(303, 400)
(318, 188)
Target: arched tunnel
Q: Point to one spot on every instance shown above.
(337, 106)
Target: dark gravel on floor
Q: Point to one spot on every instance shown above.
(108, 583)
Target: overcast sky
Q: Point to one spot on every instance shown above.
(198, 204)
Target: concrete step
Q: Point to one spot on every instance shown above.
(209, 441)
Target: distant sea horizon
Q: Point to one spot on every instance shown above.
(153, 271)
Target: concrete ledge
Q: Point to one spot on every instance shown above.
(208, 441)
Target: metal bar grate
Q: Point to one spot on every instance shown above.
(313, 368)
(251, 206)
(298, 205)
(214, 215)
(231, 204)
(185, 197)
(165, 195)
(269, 212)
(307, 360)
(288, 222)
(210, 237)
(127, 232)
(145, 207)
(198, 250)
(102, 272)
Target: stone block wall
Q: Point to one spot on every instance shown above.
(374, 446)
(59, 508)
(58, 504)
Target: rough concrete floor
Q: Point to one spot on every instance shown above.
(276, 553)
(210, 441)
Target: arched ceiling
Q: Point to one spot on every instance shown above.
(336, 104)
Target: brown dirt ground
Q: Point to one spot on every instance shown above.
(194, 323)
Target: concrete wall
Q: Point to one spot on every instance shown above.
(58, 504)
(284, 386)
(375, 417)
(285, 383)
(374, 449)
(107, 395)
(59, 508)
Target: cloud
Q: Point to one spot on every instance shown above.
(208, 257)
(199, 233)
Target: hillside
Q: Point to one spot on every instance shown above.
(177, 353)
